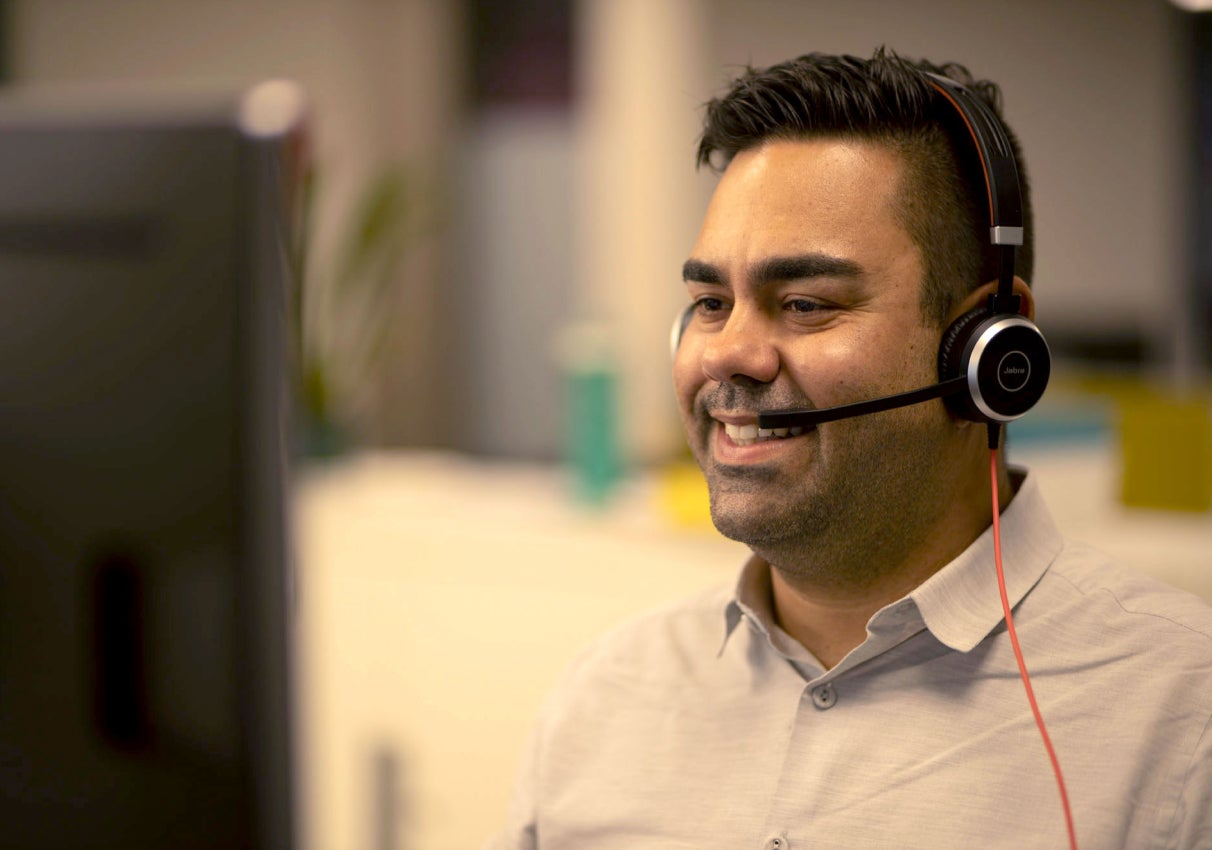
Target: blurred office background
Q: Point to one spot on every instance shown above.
(519, 177)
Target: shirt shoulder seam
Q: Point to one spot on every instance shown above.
(1134, 611)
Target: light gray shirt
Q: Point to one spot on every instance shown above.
(705, 726)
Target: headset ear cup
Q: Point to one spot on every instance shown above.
(952, 363)
(1004, 359)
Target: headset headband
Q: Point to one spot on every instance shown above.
(999, 169)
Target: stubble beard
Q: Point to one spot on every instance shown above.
(846, 518)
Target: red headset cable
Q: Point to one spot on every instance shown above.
(1018, 652)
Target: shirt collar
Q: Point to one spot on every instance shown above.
(960, 604)
(754, 603)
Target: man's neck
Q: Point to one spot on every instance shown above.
(829, 622)
(829, 617)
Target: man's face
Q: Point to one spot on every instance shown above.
(808, 295)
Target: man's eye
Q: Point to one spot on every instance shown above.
(803, 305)
(709, 305)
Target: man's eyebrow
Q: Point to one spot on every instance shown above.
(777, 269)
(804, 266)
(701, 272)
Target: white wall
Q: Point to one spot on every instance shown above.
(643, 68)
(515, 270)
(583, 218)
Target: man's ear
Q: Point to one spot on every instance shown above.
(978, 298)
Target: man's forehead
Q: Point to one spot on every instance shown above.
(792, 197)
(828, 166)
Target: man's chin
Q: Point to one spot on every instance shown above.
(741, 517)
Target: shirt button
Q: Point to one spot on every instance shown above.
(824, 697)
(778, 843)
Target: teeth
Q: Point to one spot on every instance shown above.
(747, 435)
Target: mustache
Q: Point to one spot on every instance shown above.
(738, 397)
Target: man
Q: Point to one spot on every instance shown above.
(857, 688)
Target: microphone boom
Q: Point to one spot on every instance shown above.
(810, 417)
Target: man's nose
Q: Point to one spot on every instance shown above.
(742, 349)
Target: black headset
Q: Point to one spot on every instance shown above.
(993, 362)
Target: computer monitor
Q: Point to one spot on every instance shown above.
(145, 651)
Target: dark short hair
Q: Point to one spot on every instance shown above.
(888, 99)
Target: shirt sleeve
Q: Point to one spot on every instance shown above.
(1193, 823)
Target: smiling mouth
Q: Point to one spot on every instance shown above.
(748, 435)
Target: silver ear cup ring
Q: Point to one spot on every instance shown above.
(1008, 364)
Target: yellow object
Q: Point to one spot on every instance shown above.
(683, 496)
(1166, 446)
